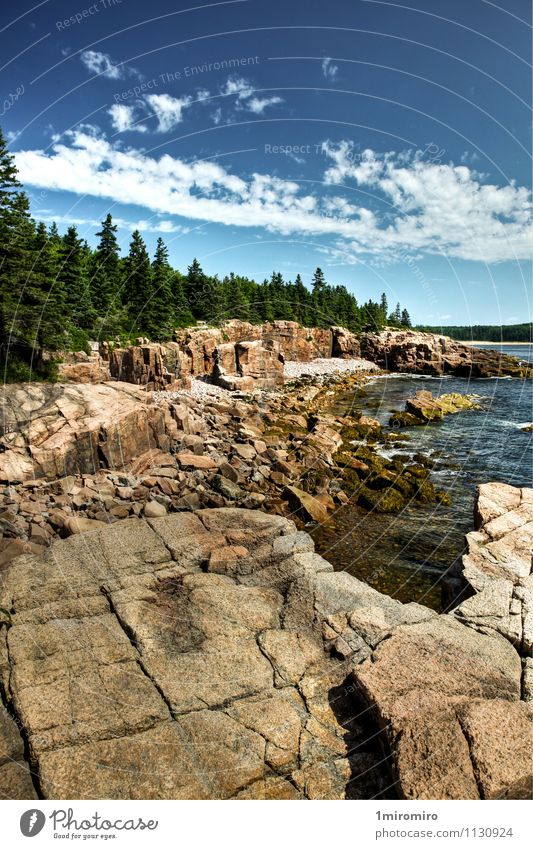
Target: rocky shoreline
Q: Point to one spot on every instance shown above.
(79, 456)
(159, 592)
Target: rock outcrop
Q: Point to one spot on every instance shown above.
(287, 457)
(294, 342)
(496, 571)
(424, 408)
(178, 658)
(427, 353)
(246, 366)
(215, 655)
(54, 430)
(84, 368)
(156, 367)
(344, 344)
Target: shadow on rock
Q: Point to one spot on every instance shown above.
(367, 749)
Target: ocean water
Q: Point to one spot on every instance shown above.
(408, 555)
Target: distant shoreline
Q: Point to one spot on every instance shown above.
(489, 342)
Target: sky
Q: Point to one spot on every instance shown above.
(386, 142)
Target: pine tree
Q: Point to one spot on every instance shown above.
(9, 190)
(235, 301)
(319, 287)
(384, 306)
(73, 274)
(48, 295)
(137, 287)
(195, 285)
(104, 271)
(301, 298)
(405, 319)
(319, 281)
(398, 314)
(160, 309)
(183, 316)
(53, 236)
(281, 307)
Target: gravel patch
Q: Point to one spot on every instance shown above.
(332, 365)
(200, 389)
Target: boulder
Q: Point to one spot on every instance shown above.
(418, 682)
(264, 365)
(95, 371)
(304, 505)
(423, 408)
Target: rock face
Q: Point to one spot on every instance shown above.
(248, 365)
(147, 365)
(427, 353)
(215, 655)
(84, 368)
(344, 343)
(56, 430)
(294, 342)
(497, 567)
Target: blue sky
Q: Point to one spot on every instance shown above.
(386, 142)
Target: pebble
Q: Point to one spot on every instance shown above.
(332, 365)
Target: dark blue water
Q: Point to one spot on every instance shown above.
(408, 555)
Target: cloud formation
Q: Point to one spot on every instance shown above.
(245, 95)
(169, 110)
(123, 118)
(102, 64)
(329, 70)
(377, 206)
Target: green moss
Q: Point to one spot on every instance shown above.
(384, 501)
(426, 492)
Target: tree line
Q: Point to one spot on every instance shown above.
(57, 293)
(486, 332)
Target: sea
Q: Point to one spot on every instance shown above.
(409, 556)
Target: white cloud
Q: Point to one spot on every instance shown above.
(437, 208)
(245, 95)
(329, 70)
(239, 86)
(162, 226)
(217, 116)
(257, 105)
(400, 206)
(101, 63)
(122, 118)
(168, 109)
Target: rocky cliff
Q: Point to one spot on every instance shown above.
(215, 655)
(202, 351)
(428, 353)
